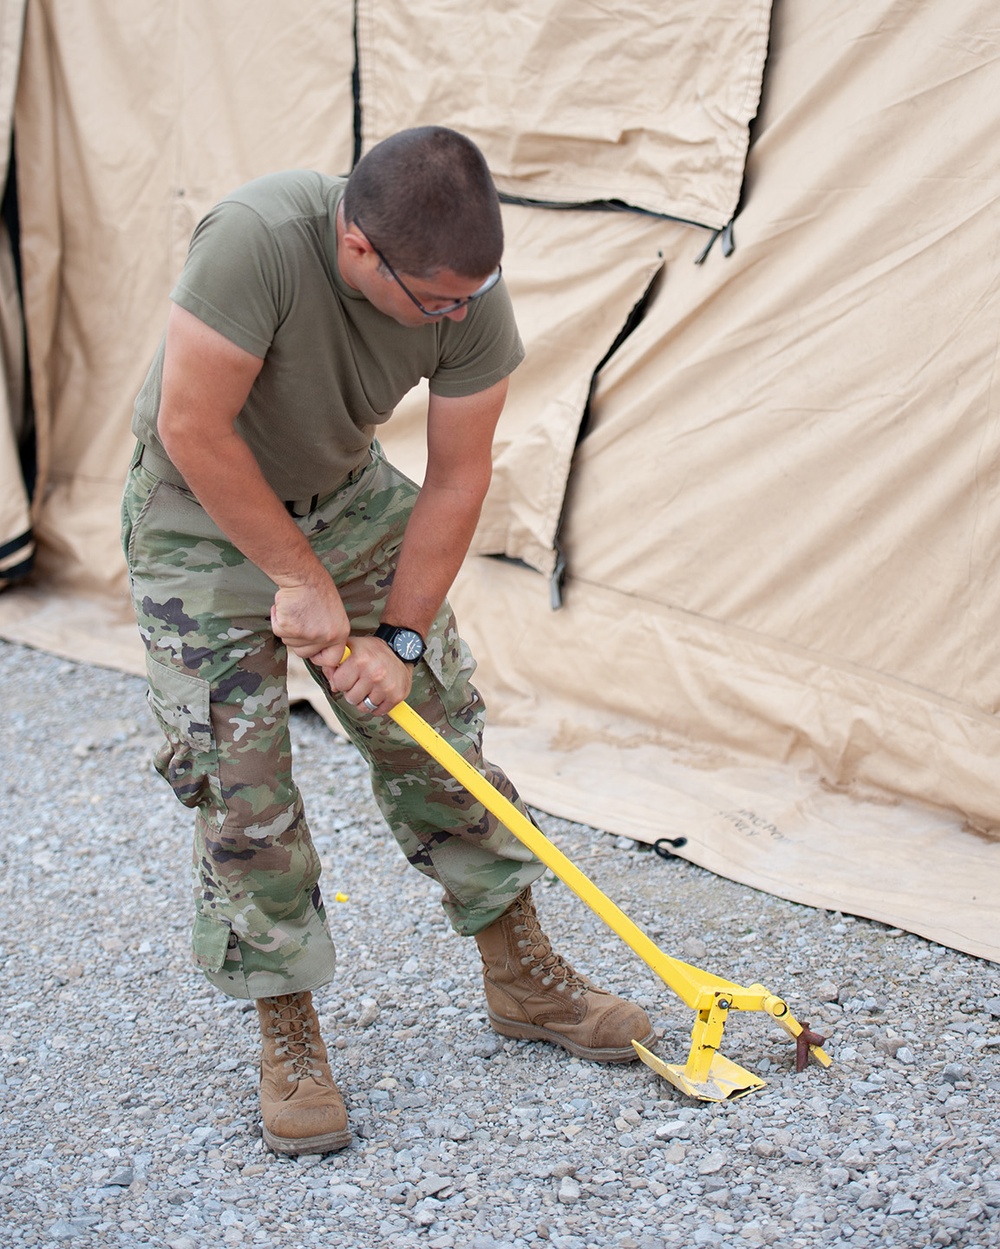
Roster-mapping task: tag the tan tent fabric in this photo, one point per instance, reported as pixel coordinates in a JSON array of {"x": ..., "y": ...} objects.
[
  {"x": 645, "y": 103},
  {"x": 833, "y": 493},
  {"x": 129, "y": 129},
  {"x": 16, "y": 545},
  {"x": 11, "y": 30},
  {"x": 782, "y": 523}
]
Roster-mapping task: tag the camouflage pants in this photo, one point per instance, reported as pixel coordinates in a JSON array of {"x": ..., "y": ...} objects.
[{"x": 217, "y": 687}]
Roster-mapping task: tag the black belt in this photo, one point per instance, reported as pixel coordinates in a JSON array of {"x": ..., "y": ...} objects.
[{"x": 161, "y": 467}]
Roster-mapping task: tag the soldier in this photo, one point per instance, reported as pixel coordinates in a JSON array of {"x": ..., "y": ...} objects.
[{"x": 260, "y": 516}]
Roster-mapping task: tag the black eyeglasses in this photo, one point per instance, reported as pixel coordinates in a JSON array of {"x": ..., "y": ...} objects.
[{"x": 488, "y": 285}]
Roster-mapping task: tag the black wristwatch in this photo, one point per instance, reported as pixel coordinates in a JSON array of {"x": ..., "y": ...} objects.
[{"x": 406, "y": 643}]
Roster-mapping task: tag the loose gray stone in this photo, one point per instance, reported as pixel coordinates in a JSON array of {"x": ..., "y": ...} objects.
[
  {"x": 116, "y": 1057},
  {"x": 423, "y": 1217},
  {"x": 369, "y": 1012},
  {"x": 569, "y": 1191},
  {"x": 433, "y": 1184},
  {"x": 672, "y": 1129}
]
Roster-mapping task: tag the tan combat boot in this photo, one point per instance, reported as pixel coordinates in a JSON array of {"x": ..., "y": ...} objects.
[
  {"x": 302, "y": 1110},
  {"x": 533, "y": 994}
]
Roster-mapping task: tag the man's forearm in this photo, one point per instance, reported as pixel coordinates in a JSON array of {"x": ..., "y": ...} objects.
[
  {"x": 444, "y": 518},
  {"x": 436, "y": 542},
  {"x": 308, "y": 613},
  {"x": 228, "y": 483}
]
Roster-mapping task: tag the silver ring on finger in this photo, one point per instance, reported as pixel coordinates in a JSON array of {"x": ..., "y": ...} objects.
[{"x": 369, "y": 704}]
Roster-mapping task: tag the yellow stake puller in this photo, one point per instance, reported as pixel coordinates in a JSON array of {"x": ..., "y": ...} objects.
[{"x": 706, "y": 1074}]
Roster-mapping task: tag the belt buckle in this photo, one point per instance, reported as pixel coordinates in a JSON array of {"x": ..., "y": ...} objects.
[{"x": 292, "y": 506}]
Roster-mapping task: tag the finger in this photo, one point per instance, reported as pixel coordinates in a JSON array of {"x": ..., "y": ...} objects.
[
  {"x": 302, "y": 648},
  {"x": 281, "y": 630},
  {"x": 329, "y": 658}
]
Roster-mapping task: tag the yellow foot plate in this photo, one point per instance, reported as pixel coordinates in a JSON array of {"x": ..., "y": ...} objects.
[{"x": 724, "y": 1082}]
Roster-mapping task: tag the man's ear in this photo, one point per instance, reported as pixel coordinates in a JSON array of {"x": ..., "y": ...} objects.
[
  {"x": 354, "y": 243},
  {"x": 356, "y": 256}
]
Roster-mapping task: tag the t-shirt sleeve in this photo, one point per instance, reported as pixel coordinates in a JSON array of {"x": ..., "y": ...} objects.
[
  {"x": 232, "y": 277},
  {"x": 479, "y": 351}
]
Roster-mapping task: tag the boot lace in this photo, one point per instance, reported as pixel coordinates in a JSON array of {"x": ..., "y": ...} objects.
[
  {"x": 290, "y": 1024},
  {"x": 541, "y": 960}
]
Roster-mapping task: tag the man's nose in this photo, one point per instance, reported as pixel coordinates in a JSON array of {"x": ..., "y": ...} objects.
[{"x": 458, "y": 314}]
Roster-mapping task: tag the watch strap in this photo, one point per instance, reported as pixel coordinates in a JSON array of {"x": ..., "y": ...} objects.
[{"x": 390, "y": 635}]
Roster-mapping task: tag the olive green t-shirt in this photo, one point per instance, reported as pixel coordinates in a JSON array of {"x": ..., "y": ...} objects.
[{"x": 262, "y": 271}]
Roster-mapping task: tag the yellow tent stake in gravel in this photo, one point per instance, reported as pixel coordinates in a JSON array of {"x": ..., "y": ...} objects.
[{"x": 706, "y": 1074}]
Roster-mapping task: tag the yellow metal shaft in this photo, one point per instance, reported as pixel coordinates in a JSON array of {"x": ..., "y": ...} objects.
[
  {"x": 707, "y": 1074},
  {"x": 693, "y": 985}
]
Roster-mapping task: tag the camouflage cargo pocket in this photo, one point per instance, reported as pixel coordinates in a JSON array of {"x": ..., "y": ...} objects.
[
  {"x": 188, "y": 760},
  {"x": 451, "y": 666},
  {"x": 210, "y": 942},
  {"x": 216, "y": 951}
]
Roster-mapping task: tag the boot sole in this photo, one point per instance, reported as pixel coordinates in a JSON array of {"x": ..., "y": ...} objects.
[
  {"x": 328, "y": 1143},
  {"x": 531, "y": 1032}
]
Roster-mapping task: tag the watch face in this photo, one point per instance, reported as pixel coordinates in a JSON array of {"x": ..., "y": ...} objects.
[{"x": 408, "y": 645}]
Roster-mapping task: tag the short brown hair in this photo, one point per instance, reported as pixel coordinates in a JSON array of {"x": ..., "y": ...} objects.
[{"x": 425, "y": 197}]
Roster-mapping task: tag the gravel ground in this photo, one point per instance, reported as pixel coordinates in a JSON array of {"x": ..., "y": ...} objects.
[{"x": 128, "y": 1085}]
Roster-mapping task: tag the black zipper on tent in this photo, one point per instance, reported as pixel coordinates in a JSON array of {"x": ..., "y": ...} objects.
[
  {"x": 726, "y": 233},
  {"x": 356, "y": 92},
  {"x": 598, "y": 205},
  {"x": 728, "y": 242},
  {"x": 614, "y": 205},
  {"x": 632, "y": 321}
]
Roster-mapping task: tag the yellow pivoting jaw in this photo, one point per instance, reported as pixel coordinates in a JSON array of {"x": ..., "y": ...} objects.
[
  {"x": 709, "y": 1076},
  {"x": 724, "y": 1081}
]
